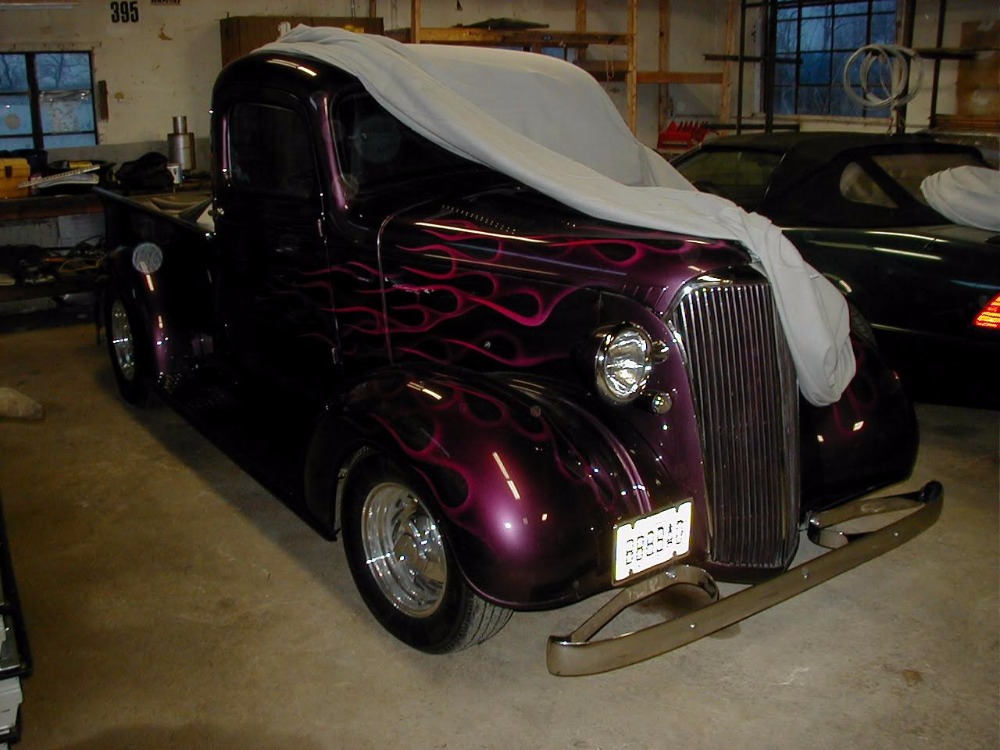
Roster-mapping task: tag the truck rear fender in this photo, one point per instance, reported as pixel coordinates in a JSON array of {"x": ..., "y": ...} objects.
[{"x": 172, "y": 328}]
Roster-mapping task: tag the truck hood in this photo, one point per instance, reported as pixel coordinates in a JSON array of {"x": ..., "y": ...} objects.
[{"x": 517, "y": 231}]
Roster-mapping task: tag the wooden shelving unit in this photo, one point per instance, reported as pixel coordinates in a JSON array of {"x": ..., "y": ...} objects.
[
  {"x": 584, "y": 40},
  {"x": 241, "y": 34}
]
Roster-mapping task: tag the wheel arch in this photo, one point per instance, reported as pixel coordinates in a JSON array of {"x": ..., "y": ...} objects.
[
  {"x": 168, "y": 337},
  {"x": 525, "y": 487}
]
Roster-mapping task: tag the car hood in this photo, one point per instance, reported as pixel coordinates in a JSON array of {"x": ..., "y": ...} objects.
[
  {"x": 515, "y": 230},
  {"x": 959, "y": 233}
]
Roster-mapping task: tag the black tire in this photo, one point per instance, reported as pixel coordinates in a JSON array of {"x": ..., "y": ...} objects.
[
  {"x": 417, "y": 592},
  {"x": 129, "y": 358}
]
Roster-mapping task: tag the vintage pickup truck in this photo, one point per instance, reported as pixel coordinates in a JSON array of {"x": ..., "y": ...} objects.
[{"x": 499, "y": 402}]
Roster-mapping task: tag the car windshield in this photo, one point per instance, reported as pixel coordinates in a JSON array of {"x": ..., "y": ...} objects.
[
  {"x": 374, "y": 148},
  {"x": 741, "y": 176}
]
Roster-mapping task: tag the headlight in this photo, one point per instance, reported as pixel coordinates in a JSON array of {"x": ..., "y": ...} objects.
[
  {"x": 622, "y": 363},
  {"x": 147, "y": 258}
]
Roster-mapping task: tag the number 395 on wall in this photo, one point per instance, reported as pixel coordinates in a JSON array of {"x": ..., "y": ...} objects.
[{"x": 125, "y": 11}]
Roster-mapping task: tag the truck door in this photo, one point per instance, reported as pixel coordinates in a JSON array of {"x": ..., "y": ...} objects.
[{"x": 275, "y": 296}]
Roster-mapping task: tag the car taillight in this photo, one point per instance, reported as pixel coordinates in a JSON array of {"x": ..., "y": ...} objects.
[{"x": 989, "y": 316}]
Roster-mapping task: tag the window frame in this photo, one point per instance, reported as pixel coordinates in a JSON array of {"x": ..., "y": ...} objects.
[
  {"x": 282, "y": 189},
  {"x": 793, "y": 13},
  {"x": 34, "y": 94}
]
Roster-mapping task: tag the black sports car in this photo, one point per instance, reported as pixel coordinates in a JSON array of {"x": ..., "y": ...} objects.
[{"x": 852, "y": 204}]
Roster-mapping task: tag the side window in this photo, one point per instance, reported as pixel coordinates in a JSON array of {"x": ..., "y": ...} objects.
[
  {"x": 741, "y": 176},
  {"x": 857, "y": 186},
  {"x": 374, "y": 148},
  {"x": 270, "y": 151}
]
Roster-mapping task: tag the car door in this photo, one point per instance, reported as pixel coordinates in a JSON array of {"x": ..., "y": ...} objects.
[{"x": 276, "y": 298}]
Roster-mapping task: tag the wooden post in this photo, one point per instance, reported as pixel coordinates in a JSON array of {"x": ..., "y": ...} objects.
[
  {"x": 581, "y": 25},
  {"x": 630, "y": 74},
  {"x": 732, "y": 48},
  {"x": 415, "y": 21},
  {"x": 663, "y": 90}
]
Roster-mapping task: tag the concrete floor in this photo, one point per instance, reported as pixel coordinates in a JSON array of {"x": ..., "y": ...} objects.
[{"x": 173, "y": 603}]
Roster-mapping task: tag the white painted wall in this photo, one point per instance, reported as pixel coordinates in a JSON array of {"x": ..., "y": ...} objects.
[
  {"x": 162, "y": 66},
  {"x": 924, "y": 36},
  {"x": 165, "y": 64}
]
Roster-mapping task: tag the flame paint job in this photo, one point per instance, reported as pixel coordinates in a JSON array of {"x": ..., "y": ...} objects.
[{"x": 461, "y": 311}]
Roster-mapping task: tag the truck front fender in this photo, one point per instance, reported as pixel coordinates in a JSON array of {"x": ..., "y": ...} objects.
[{"x": 525, "y": 484}]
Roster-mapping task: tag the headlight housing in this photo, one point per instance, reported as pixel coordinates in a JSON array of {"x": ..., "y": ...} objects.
[
  {"x": 622, "y": 363},
  {"x": 147, "y": 258}
]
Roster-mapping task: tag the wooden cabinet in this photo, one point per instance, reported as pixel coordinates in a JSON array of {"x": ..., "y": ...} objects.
[{"x": 243, "y": 34}]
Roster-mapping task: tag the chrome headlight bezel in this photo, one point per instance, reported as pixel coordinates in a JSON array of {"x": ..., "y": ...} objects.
[
  {"x": 147, "y": 257},
  {"x": 622, "y": 363}
]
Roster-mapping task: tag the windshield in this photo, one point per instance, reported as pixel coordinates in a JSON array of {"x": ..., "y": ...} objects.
[
  {"x": 741, "y": 176},
  {"x": 374, "y": 148}
]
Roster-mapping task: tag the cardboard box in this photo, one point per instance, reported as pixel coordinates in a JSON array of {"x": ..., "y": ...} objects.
[{"x": 12, "y": 173}]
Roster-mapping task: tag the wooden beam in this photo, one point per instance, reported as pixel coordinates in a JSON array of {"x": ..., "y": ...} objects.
[
  {"x": 668, "y": 76},
  {"x": 519, "y": 37}
]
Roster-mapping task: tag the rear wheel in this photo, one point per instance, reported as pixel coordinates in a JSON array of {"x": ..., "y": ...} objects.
[
  {"x": 402, "y": 565},
  {"x": 128, "y": 359}
]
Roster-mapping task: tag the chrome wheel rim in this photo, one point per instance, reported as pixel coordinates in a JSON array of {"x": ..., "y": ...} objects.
[
  {"x": 403, "y": 549},
  {"x": 121, "y": 341}
]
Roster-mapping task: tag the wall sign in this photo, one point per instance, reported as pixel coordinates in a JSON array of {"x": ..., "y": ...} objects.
[{"x": 125, "y": 11}]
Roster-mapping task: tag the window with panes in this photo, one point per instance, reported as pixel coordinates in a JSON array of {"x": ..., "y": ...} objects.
[
  {"x": 814, "y": 42},
  {"x": 46, "y": 100}
]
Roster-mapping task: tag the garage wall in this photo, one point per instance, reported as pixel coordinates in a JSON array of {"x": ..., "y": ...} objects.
[
  {"x": 164, "y": 64},
  {"x": 160, "y": 66},
  {"x": 983, "y": 13}
]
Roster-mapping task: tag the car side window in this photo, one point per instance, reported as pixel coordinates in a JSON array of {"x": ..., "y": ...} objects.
[
  {"x": 857, "y": 186},
  {"x": 908, "y": 170},
  {"x": 270, "y": 151},
  {"x": 741, "y": 176},
  {"x": 374, "y": 148}
]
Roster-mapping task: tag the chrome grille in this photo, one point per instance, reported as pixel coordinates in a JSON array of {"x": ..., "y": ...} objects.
[{"x": 746, "y": 401}]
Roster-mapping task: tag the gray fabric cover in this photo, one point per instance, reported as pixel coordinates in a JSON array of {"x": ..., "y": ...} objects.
[
  {"x": 551, "y": 126},
  {"x": 965, "y": 195}
]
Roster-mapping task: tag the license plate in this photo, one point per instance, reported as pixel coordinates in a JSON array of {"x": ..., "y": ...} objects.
[{"x": 649, "y": 541}]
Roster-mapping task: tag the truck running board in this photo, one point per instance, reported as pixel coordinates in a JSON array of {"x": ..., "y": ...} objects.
[{"x": 578, "y": 654}]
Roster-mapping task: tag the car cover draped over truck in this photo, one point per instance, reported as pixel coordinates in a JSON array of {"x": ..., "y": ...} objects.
[{"x": 551, "y": 126}]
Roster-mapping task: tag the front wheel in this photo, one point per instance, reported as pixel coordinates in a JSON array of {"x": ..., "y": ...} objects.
[
  {"x": 402, "y": 566},
  {"x": 128, "y": 359}
]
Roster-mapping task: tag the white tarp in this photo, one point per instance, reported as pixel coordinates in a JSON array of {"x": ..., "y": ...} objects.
[
  {"x": 551, "y": 126},
  {"x": 965, "y": 195}
]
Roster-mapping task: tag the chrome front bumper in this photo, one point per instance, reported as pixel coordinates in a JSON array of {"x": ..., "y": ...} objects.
[{"x": 843, "y": 529}]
